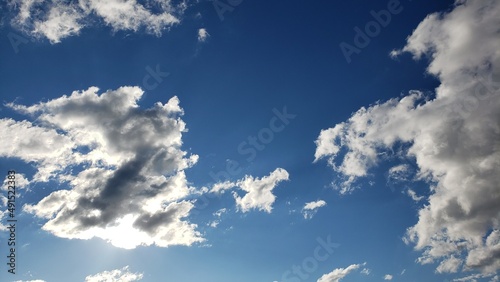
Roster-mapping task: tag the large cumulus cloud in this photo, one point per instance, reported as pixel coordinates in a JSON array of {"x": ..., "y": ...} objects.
[
  {"x": 454, "y": 138},
  {"x": 124, "y": 167}
]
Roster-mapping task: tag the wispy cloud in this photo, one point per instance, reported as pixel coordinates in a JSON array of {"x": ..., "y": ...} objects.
[
  {"x": 116, "y": 275},
  {"x": 413, "y": 195},
  {"x": 474, "y": 277},
  {"x": 218, "y": 214}
]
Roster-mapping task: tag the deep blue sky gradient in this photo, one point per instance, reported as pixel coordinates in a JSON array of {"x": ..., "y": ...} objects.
[{"x": 264, "y": 55}]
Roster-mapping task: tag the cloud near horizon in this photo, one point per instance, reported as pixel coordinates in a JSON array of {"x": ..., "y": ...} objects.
[
  {"x": 116, "y": 275},
  {"x": 453, "y": 138},
  {"x": 337, "y": 274}
]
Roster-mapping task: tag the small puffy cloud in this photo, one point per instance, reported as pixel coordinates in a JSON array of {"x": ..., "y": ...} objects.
[
  {"x": 214, "y": 223},
  {"x": 453, "y": 138},
  {"x": 116, "y": 275},
  {"x": 388, "y": 277},
  {"x": 123, "y": 167},
  {"x": 202, "y": 35},
  {"x": 310, "y": 209},
  {"x": 337, "y": 274},
  {"x": 221, "y": 187},
  {"x": 258, "y": 190},
  {"x": 220, "y": 212},
  {"x": 56, "y": 20},
  {"x": 314, "y": 205},
  {"x": 366, "y": 271}
]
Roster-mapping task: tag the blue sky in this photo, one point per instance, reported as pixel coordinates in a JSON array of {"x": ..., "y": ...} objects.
[{"x": 376, "y": 165}]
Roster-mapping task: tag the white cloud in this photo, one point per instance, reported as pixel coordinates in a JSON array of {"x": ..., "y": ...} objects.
[
  {"x": 399, "y": 172},
  {"x": 123, "y": 164},
  {"x": 202, "y": 35},
  {"x": 449, "y": 265},
  {"x": 116, "y": 275},
  {"x": 314, "y": 205},
  {"x": 36, "y": 144},
  {"x": 474, "y": 277},
  {"x": 20, "y": 182},
  {"x": 310, "y": 209},
  {"x": 337, "y": 274},
  {"x": 258, "y": 190},
  {"x": 414, "y": 196},
  {"x": 453, "y": 138},
  {"x": 218, "y": 214},
  {"x": 388, "y": 277},
  {"x": 366, "y": 271},
  {"x": 221, "y": 187},
  {"x": 214, "y": 223},
  {"x": 63, "y": 19}
]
